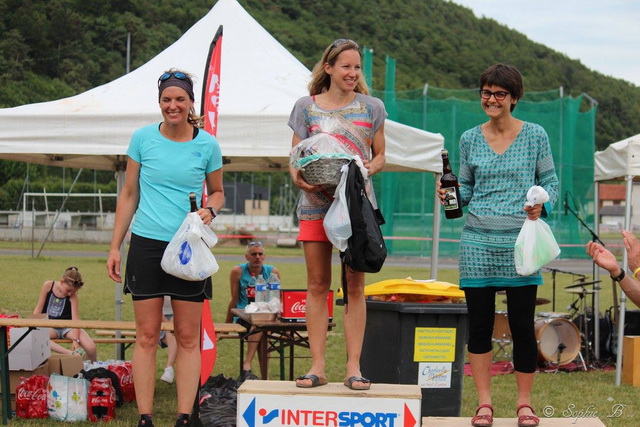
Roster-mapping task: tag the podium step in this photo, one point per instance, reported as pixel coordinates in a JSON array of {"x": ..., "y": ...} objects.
[{"x": 281, "y": 403}]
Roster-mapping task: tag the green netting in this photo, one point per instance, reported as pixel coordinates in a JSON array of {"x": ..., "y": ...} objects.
[{"x": 406, "y": 199}]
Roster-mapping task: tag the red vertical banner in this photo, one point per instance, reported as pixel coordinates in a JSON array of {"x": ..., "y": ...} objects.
[{"x": 210, "y": 101}]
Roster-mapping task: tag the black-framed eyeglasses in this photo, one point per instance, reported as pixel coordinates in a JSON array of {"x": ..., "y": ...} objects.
[
  {"x": 177, "y": 74},
  {"x": 499, "y": 95}
]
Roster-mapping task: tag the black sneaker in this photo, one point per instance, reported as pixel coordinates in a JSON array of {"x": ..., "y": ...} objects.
[
  {"x": 145, "y": 421},
  {"x": 183, "y": 420}
]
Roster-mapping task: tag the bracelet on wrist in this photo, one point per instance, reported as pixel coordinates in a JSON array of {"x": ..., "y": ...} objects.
[{"x": 635, "y": 273}]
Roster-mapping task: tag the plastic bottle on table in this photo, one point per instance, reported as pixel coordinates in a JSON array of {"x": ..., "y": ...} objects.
[
  {"x": 251, "y": 290},
  {"x": 261, "y": 290},
  {"x": 274, "y": 287}
]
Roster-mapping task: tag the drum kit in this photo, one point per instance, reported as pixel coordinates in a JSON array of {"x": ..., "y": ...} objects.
[{"x": 562, "y": 337}]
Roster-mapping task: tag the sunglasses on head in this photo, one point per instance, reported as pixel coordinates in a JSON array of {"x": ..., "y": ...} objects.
[
  {"x": 177, "y": 74},
  {"x": 340, "y": 42},
  {"x": 252, "y": 244}
]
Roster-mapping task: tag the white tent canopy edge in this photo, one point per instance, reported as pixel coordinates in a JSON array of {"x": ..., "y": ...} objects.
[
  {"x": 619, "y": 161},
  {"x": 260, "y": 82}
]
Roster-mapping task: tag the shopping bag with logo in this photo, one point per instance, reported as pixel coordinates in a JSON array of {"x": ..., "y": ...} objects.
[{"x": 188, "y": 255}]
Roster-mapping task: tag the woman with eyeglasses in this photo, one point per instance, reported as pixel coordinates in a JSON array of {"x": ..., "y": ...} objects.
[
  {"x": 499, "y": 161},
  {"x": 59, "y": 300},
  {"x": 166, "y": 161},
  {"x": 338, "y": 93}
]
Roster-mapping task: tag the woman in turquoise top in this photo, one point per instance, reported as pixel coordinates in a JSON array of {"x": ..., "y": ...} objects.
[
  {"x": 166, "y": 161},
  {"x": 499, "y": 161}
]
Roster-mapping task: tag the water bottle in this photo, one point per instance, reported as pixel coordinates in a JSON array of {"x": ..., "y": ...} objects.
[
  {"x": 274, "y": 287},
  {"x": 261, "y": 290}
]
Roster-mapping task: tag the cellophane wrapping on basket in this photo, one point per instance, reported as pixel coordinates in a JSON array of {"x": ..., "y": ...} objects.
[{"x": 321, "y": 156}]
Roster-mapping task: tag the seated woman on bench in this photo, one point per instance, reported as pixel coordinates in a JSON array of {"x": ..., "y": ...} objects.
[{"x": 59, "y": 300}]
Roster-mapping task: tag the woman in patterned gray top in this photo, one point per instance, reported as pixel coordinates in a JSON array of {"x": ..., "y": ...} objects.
[
  {"x": 338, "y": 94},
  {"x": 499, "y": 161}
]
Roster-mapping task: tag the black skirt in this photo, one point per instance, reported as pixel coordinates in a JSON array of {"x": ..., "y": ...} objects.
[{"x": 145, "y": 278}]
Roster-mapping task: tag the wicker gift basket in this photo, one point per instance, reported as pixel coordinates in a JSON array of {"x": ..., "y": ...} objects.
[
  {"x": 320, "y": 158},
  {"x": 323, "y": 169}
]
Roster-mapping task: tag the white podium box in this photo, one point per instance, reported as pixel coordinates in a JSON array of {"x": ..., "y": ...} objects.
[{"x": 281, "y": 403}]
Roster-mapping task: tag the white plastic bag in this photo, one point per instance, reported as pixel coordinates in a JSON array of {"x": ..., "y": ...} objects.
[
  {"x": 535, "y": 246},
  {"x": 188, "y": 255},
  {"x": 337, "y": 223}
]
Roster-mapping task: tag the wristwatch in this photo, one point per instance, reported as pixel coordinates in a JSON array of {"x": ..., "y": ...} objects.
[
  {"x": 620, "y": 277},
  {"x": 213, "y": 212}
]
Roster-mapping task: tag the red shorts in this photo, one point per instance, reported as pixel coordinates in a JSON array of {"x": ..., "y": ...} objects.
[{"x": 312, "y": 231}]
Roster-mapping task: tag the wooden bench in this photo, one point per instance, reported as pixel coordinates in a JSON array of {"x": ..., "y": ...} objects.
[
  {"x": 116, "y": 328},
  {"x": 105, "y": 336}
]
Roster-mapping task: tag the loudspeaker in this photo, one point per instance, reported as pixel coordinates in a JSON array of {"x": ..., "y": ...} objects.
[{"x": 632, "y": 322}]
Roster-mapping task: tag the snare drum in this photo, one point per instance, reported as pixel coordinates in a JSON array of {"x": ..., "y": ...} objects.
[
  {"x": 554, "y": 315},
  {"x": 501, "y": 330},
  {"x": 558, "y": 340}
]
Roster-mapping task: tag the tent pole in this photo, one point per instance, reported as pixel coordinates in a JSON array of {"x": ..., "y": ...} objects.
[
  {"x": 435, "y": 242},
  {"x": 596, "y": 277},
  {"x": 119, "y": 348},
  {"x": 625, "y": 266}
]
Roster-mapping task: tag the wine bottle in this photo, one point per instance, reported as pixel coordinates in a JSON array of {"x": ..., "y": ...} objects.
[
  {"x": 452, "y": 207},
  {"x": 192, "y": 200}
]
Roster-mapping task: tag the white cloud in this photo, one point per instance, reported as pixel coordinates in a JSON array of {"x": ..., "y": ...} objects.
[{"x": 603, "y": 35}]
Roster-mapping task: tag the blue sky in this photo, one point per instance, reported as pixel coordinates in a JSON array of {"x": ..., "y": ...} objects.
[{"x": 603, "y": 35}]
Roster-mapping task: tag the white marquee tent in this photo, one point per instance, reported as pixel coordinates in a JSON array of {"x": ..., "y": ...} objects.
[
  {"x": 260, "y": 82},
  {"x": 620, "y": 161}
]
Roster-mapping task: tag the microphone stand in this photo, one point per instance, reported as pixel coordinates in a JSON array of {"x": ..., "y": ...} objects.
[
  {"x": 594, "y": 236},
  {"x": 553, "y": 277},
  {"x": 596, "y": 288}
]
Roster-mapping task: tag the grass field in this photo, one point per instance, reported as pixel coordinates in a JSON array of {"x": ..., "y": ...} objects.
[{"x": 569, "y": 395}]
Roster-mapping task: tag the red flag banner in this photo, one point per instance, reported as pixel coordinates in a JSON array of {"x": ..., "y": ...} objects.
[
  {"x": 208, "y": 347},
  {"x": 211, "y": 88},
  {"x": 210, "y": 99}
]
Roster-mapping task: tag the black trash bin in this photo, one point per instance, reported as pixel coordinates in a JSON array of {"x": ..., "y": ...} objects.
[{"x": 413, "y": 343}]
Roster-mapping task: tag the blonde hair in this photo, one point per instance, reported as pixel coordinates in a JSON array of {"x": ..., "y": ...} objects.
[
  {"x": 73, "y": 277},
  {"x": 320, "y": 80}
]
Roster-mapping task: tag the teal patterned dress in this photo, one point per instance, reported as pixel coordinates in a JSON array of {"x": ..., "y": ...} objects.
[{"x": 494, "y": 188}]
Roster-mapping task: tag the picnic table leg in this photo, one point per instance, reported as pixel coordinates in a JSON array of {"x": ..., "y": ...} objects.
[
  {"x": 4, "y": 372},
  {"x": 263, "y": 357},
  {"x": 291, "y": 356}
]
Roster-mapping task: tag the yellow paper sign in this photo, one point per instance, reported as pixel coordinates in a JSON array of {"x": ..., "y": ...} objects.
[{"x": 434, "y": 345}]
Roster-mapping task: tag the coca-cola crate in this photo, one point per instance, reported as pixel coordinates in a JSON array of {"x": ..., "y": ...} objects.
[
  {"x": 14, "y": 379},
  {"x": 294, "y": 302}
]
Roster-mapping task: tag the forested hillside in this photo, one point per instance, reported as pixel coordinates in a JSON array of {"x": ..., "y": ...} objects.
[{"x": 51, "y": 49}]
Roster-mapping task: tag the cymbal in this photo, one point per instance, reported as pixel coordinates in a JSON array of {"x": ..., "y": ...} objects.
[
  {"x": 581, "y": 284},
  {"x": 580, "y": 291},
  {"x": 539, "y": 301}
]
